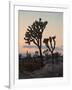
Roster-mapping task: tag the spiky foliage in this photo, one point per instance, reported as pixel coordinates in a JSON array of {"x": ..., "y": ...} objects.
[
  {"x": 34, "y": 33},
  {"x": 50, "y": 44}
]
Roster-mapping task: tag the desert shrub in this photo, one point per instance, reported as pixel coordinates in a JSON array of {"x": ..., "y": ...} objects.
[{"x": 29, "y": 65}]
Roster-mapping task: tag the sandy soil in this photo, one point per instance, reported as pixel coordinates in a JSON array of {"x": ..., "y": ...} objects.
[{"x": 48, "y": 70}]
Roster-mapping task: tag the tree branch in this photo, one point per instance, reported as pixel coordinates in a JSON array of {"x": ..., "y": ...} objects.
[{"x": 35, "y": 43}]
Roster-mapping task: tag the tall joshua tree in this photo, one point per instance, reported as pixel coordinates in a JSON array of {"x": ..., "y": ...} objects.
[
  {"x": 50, "y": 44},
  {"x": 34, "y": 33}
]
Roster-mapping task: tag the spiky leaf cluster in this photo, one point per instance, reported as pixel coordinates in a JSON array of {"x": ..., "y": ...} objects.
[
  {"x": 50, "y": 43},
  {"x": 34, "y": 32}
]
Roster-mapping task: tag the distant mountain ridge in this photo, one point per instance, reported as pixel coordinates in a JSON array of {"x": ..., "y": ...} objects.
[
  {"x": 43, "y": 47},
  {"x": 57, "y": 49}
]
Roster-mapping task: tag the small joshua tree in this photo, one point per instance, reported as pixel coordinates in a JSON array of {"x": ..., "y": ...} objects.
[{"x": 50, "y": 44}]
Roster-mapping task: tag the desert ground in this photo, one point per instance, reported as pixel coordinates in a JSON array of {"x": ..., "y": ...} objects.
[{"x": 32, "y": 68}]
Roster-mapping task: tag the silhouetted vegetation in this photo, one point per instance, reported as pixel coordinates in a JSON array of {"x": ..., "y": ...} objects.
[
  {"x": 34, "y": 34},
  {"x": 48, "y": 64},
  {"x": 50, "y": 44},
  {"x": 29, "y": 64}
]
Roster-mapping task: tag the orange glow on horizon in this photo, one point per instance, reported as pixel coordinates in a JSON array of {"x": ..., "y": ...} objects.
[{"x": 54, "y": 27}]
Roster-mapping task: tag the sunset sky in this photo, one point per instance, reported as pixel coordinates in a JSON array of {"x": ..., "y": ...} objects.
[{"x": 54, "y": 27}]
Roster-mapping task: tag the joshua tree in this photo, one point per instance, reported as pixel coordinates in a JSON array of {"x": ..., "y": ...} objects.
[
  {"x": 34, "y": 34},
  {"x": 50, "y": 44}
]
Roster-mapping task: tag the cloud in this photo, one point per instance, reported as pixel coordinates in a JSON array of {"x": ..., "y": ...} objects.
[
  {"x": 43, "y": 47},
  {"x": 32, "y": 46}
]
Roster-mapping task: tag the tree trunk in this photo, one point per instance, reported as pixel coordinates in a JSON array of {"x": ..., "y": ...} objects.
[
  {"x": 52, "y": 62},
  {"x": 40, "y": 50},
  {"x": 41, "y": 57},
  {"x": 52, "y": 58},
  {"x": 40, "y": 47}
]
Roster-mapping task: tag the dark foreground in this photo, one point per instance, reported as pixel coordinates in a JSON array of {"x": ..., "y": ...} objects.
[{"x": 31, "y": 68}]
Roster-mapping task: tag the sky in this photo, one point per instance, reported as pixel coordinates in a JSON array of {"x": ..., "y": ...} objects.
[{"x": 54, "y": 27}]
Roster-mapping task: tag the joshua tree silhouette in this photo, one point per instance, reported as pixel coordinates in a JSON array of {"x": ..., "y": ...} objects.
[
  {"x": 34, "y": 34},
  {"x": 50, "y": 44}
]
